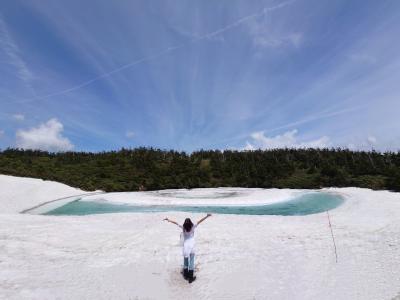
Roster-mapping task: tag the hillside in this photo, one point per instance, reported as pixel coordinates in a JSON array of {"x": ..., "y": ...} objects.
[{"x": 150, "y": 169}]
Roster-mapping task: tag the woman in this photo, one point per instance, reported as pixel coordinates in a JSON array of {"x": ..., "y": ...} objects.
[{"x": 188, "y": 246}]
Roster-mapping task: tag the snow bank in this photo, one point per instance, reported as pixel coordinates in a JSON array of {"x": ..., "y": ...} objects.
[
  {"x": 198, "y": 197},
  {"x": 19, "y": 193},
  {"x": 138, "y": 256}
]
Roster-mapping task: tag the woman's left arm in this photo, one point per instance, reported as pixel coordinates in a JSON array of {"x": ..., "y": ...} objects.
[{"x": 201, "y": 220}]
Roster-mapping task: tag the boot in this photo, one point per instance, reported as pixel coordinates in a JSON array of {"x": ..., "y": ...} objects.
[
  {"x": 185, "y": 273},
  {"x": 191, "y": 278}
]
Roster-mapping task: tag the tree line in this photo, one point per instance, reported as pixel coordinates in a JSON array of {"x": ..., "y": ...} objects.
[{"x": 153, "y": 169}]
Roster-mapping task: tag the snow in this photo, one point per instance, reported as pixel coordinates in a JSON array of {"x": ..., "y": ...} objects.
[
  {"x": 137, "y": 256},
  {"x": 20, "y": 193},
  {"x": 199, "y": 197}
]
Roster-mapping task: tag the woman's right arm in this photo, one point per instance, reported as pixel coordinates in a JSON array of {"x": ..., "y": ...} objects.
[
  {"x": 201, "y": 220},
  {"x": 172, "y": 221}
]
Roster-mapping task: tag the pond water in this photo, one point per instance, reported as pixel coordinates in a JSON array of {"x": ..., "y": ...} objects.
[{"x": 305, "y": 204}]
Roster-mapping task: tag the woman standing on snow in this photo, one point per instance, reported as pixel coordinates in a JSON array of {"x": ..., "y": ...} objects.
[{"x": 188, "y": 246}]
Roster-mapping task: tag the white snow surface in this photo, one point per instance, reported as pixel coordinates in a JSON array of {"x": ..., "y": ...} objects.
[
  {"x": 20, "y": 193},
  {"x": 199, "y": 197},
  {"x": 138, "y": 256}
]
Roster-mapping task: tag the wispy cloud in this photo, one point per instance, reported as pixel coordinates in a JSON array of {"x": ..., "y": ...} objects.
[
  {"x": 245, "y": 19},
  {"x": 11, "y": 49},
  {"x": 317, "y": 116},
  {"x": 210, "y": 35},
  {"x": 19, "y": 117},
  {"x": 233, "y": 70},
  {"x": 265, "y": 32},
  {"x": 362, "y": 58},
  {"x": 130, "y": 134},
  {"x": 322, "y": 115},
  {"x": 263, "y": 38}
]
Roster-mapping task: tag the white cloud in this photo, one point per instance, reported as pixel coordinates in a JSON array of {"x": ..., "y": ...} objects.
[
  {"x": 371, "y": 140},
  {"x": 19, "y": 117},
  {"x": 286, "y": 140},
  {"x": 364, "y": 144},
  {"x": 47, "y": 136},
  {"x": 1, "y": 133},
  {"x": 351, "y": 146},
  {"x": 130, "y": 134}
]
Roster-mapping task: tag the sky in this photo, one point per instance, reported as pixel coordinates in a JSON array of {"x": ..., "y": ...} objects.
[{"x": 99, "y": 75}]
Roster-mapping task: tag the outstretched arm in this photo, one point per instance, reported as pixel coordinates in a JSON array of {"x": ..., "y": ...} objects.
[
  {"x": 201, "y": 220},
  {"x": 172, "y": 221}
]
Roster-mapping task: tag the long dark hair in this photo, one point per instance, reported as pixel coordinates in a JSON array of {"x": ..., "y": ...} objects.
[{"x": 187, "y": 225}]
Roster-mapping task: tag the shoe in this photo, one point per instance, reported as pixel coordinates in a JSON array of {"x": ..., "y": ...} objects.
[
  {"x": 185, "y": 273},
  {"x": 191, "y": 278}
]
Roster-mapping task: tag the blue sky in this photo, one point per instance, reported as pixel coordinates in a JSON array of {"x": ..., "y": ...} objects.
[{"x": 185, "y": 75}]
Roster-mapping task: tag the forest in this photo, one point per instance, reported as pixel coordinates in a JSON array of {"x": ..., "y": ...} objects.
[{"x": 154, "y": 169}]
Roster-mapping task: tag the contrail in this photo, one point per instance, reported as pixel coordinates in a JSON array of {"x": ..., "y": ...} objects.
[
  {"x": 318, "y": 116},
  {"x": 237, "y": 23},
  {"x": 90, "y": 81}
]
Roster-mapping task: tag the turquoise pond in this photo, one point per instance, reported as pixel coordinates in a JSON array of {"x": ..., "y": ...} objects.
[{"x": 306, "y": 204}]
